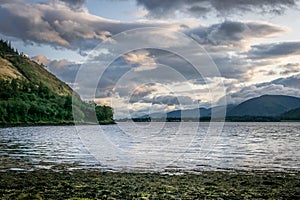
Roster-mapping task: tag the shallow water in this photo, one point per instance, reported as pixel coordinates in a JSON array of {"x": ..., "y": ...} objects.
[{"x": 155, "y": 146}]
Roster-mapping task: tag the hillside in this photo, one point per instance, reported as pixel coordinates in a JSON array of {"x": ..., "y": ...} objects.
[
  {"x": 266, "y": 105},
  {"x": 203, "y": 112},
  {"x": 200, "y": 112},
  {"x": 17, "y": 66},
  {"x": 291, "y": 114},
  {"x": 29, "y": 94}
]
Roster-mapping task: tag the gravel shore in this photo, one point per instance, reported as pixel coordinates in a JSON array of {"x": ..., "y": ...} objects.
[{"x": 93, "y": 184}]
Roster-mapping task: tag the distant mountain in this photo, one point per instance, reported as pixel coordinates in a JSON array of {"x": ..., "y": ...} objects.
[
  {"x": 200, "y": 112},
  {"x": 29, "y": 94},
  {"x": 263, "y": 108},
  {"x": 266, "y": 105},
  {"x": 176, "y": 114},
  {"x": 291, "y": 114},
  {"x": 192, "y": 113}
]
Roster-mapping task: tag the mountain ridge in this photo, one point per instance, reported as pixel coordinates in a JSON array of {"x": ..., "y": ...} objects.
[
  {"x": 30, "y": 95},
  {"x": 263, "y": 108},
  {"x": 266, "y": 105}
]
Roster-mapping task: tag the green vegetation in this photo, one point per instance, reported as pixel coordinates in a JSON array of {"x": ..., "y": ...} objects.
[
  {"x": 29, "y": 94},
  {"x": 291, "y": 115},
  {"x": 93, "y": 184},
  {"x": 253, "y": 119},
  {"x": 28, "y": 70}
]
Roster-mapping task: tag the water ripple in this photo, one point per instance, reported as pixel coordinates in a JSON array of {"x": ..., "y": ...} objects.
[{"x": 241, "y": 146}]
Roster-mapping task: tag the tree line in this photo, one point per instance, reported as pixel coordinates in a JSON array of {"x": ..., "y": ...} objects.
[
  {"x": 28, "y": 100},
  {"x": 22, "y": 101}
]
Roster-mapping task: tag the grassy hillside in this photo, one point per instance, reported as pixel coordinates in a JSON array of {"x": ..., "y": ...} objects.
[
  {"x": 14, "y": 65},
  {"x": 29, "y": 94},
  {"x": 8, "y": 71}
]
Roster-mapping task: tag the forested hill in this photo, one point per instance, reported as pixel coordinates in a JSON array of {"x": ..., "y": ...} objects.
[
  {"x": 29, "y": 94},
  {"x": 15, "y": 65}
]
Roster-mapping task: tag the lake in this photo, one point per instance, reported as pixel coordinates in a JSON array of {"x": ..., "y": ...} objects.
[{"x": 156, "y": 146}]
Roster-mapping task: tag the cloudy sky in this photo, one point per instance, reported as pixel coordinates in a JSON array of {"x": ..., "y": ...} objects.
[{"x": 140, "y": 56}]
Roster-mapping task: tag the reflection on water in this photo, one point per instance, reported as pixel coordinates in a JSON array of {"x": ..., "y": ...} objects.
[
  {"x": 41, "y": 147},
  {"x": 159, "y": 146}
]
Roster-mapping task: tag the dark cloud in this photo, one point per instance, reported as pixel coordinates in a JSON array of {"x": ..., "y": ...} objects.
[
  {"x": 177, "y": 63},
  {"x": 110, "y": 78},
  {"x": 198, "y": 11},
  {"x": 256, "y": 91},
  {"x": 290, "y": 68},
  {"x": 229, "y": 66},
  {"x": 141, "y": 92},
  {"x": 232, "y": 67},
  {"x": 291, "y": 82},
  {"x": 170, "y": 100},
  {"x": 168, "y": 8},
  {"x": 230, "y": 33},
  {"x": 169, "y": 68},
  {"x": 59, "y": 25},
  {"x": 282, "y": 86},
  {"x": 276, "y": 50},
  {"x": 75, "y": 3}
]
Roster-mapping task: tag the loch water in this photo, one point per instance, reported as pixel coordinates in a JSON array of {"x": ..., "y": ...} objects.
[{"x": 156, "y": 146}]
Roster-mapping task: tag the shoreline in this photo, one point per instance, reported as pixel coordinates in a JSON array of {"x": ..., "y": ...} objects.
[
  {"x": 7, "y": 125},
  {"x": 95, "y": 184},
  {"x": 71, "y": 123}
]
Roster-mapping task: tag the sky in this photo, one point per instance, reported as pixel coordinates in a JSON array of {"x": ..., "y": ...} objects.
[{"x": 145, "y": 56}]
